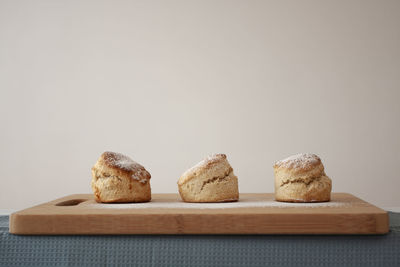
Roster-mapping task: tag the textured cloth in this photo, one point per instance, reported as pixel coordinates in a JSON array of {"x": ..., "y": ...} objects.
[{"x": 202, "y": 250}]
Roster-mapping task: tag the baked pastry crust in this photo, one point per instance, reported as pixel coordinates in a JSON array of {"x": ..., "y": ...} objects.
[
  {"x": 211, "y": 180},
  {"x": 301, "y": 178},
  {"x": 117, "y": 178}
]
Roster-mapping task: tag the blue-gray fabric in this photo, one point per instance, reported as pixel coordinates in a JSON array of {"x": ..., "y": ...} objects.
[{"x": 202, "y": 250}]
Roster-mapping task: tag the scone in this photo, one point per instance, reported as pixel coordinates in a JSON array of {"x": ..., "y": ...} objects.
[
  {"x": 301, "y": 178},
  {"x": 117, "y": 178},
  {"x": 211, "y": 180}
]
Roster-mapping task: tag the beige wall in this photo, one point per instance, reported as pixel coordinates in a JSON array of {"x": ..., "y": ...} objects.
[{"x": 168, "y": 82}]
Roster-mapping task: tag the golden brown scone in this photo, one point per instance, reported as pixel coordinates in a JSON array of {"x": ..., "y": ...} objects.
[
  {"x": 211, "y": 180},
  {"x": 117, "y": 178},
  {"x": 301, "y": 178}
]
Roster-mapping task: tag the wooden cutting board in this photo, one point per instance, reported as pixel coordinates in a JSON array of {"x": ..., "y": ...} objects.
[{"x": 167, "y": 214}]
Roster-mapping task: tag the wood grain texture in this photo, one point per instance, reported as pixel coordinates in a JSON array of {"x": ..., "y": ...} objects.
[{"x": 80, "y": 214}]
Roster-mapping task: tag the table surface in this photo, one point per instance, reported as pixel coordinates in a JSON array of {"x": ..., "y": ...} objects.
[{"x": 202, "y": 250}]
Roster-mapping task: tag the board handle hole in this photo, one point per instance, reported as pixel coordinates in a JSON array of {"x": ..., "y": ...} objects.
[{"x": 71, "y": 202}]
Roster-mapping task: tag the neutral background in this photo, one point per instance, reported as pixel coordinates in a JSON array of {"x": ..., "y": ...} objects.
[{"x": 168, "y": 82}]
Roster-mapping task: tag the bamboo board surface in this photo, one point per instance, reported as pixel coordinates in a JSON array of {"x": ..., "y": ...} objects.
[{"x": 167, "y": 214}]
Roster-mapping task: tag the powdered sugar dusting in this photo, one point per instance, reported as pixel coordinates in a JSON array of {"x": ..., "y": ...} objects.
[
  {"x": 121, "y": 161},
  {"x": 138, "y": 176},
  {"x": 225, "y": 205},
  {"x": 204, "y": 162},
  {"x": 298, "y": 161},
  {"x": 138, "y": 172}
]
